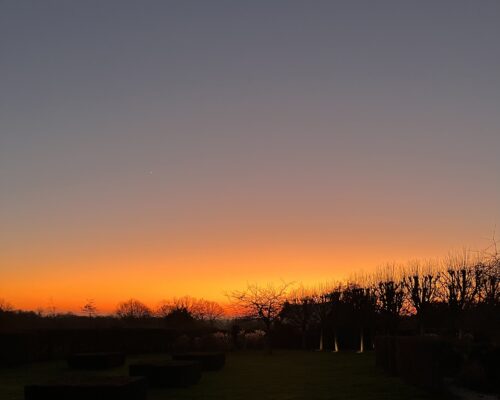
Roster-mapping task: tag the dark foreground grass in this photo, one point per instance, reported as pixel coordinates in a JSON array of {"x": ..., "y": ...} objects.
[{"x": 252, "y": 375}]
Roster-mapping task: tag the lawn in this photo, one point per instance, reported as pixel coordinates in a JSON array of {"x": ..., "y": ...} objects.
[{"x": 254, "y": 375}]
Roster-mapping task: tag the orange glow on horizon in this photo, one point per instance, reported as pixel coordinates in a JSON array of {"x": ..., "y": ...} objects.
[{"x": 209, "y": 274}]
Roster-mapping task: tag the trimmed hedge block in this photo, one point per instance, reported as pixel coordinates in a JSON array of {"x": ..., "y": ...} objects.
[
  {"x": 415, "y": 359},
  {"x": 96, "y": 360},
  {"x": 419, "y": 361},
  {"x": 168, "y": 373},
  {"x": 85, "y": 388},
  {"x": 385, "y": 353},
  {"x": 209, "y": 361}
]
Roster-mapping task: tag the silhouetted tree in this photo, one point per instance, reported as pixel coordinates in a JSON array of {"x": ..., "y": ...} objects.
[
  {"x": 207, "y": 310},
  {"x": 323, "y": 307},
  {"x": 89, "y": 308},
  {"x": 5, "y": 306},
  {"x": 489, "y": 290},
  {"x": 362, "y": 304},
  {"x": 51, "y": 310},
  {"x": 300, "y": 311},
  {"x": 179, "y": 317},
  {"x": 177, "y": 306},
  {"x": 263, "y": 303},
  {"x": 199, "y": 309},
  {"x": 335, "y": 296},
  {"x": 388, "y": 289},
  {"x": 133, "y": 309},
  {"x": 460, "y": 285},
  {"x": 421, "y": 285}
]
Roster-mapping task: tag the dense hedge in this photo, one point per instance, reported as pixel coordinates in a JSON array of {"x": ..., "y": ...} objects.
[
  {"x": 209, "y": 361},
  {"x": 385, "y": 353},
  {"x": 95, "y": 360},
  {"x": 84, "y": 388},
  {"x": 416, "y": 359},
  {"x": 426, "y": 360},
  {"x": 22, "y": 347},
  {"x": 168, "y": 373}
]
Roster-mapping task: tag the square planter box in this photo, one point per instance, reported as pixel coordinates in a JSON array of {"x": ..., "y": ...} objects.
[
  {"x": 89, "y": 388},
  {"x": 96, "y": 360},
  {"x": 208, "y": 361},
  {"x": 168, "y": 373}
]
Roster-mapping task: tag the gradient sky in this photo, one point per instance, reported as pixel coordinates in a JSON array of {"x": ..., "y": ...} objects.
[{"x": 161, "y": 148}]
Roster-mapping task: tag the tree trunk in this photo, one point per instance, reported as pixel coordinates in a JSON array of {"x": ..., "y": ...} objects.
[
  {"x": 321, "y": 340},
  {"x": 269, "y": 340},
  {"x": 335, "y": 342},
  {"x": 421, "y": 325},
  {"x": 361, "y": 341},
  {"x": 304, "y": 339}
]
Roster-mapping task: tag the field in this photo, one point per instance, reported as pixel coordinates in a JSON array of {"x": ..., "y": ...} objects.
[{"x": 252, "y": 375}]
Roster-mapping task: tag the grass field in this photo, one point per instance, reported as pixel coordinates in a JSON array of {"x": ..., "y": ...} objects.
[{"x": 253, "y": 375}]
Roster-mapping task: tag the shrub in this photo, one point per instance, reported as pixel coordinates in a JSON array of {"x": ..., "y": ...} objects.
[
  {"x": 182, "y": 343},
  {"x": 254, "y": 340}
]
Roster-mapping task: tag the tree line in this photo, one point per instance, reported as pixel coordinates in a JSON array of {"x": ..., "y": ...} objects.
[{"x": 459, "y": 294}]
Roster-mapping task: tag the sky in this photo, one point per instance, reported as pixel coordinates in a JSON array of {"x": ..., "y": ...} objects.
[{"x": 153, "y": 149}]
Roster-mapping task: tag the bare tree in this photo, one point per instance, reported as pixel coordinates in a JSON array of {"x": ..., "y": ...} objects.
[
  {"x": 460, "y": 284},
  {"x": 490, "y": 285},
  {"x": 51, "y": 310},
  {"x": 199, "y": 309},
  {"x": 335, "y": 297},
  {"x": 421, "y": 285},
  {"x": 461, "y": 281},
  {"x": 264, "y": 303},
  {"x": 177, "y": 304},
  {"x": 388, "y": 288},
  {"x": 5, "y": 306},
  {"x": 207, "y": 310},
  {"x": 325, "y": 302},
  {"x": 133, "y": 309},
  {"x": 362, "y": 303},
  {"x": 89, "y": 308},
  {"x": 490, "y": 268},
  {"x": 299, "y": 310}
]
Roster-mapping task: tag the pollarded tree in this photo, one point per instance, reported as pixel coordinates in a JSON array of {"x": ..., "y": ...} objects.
[
  {"x": 489, "y": 293},
  {"x": 361, "y": 301},
  {"x": 263, "y": 303},
  {"x": 389, "y": 290},
  {"x": 335, "y": 297},
  {"x": 133, "y": 309},
  {"x": 460, "y": 281},
  {"x": 299, "y": 310},
  {"x": 460, "y": 285},
  {"x": 421, "y": 285},
  {"x": 490, "y": 285},
  {"x": 326, "y": 302}
]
